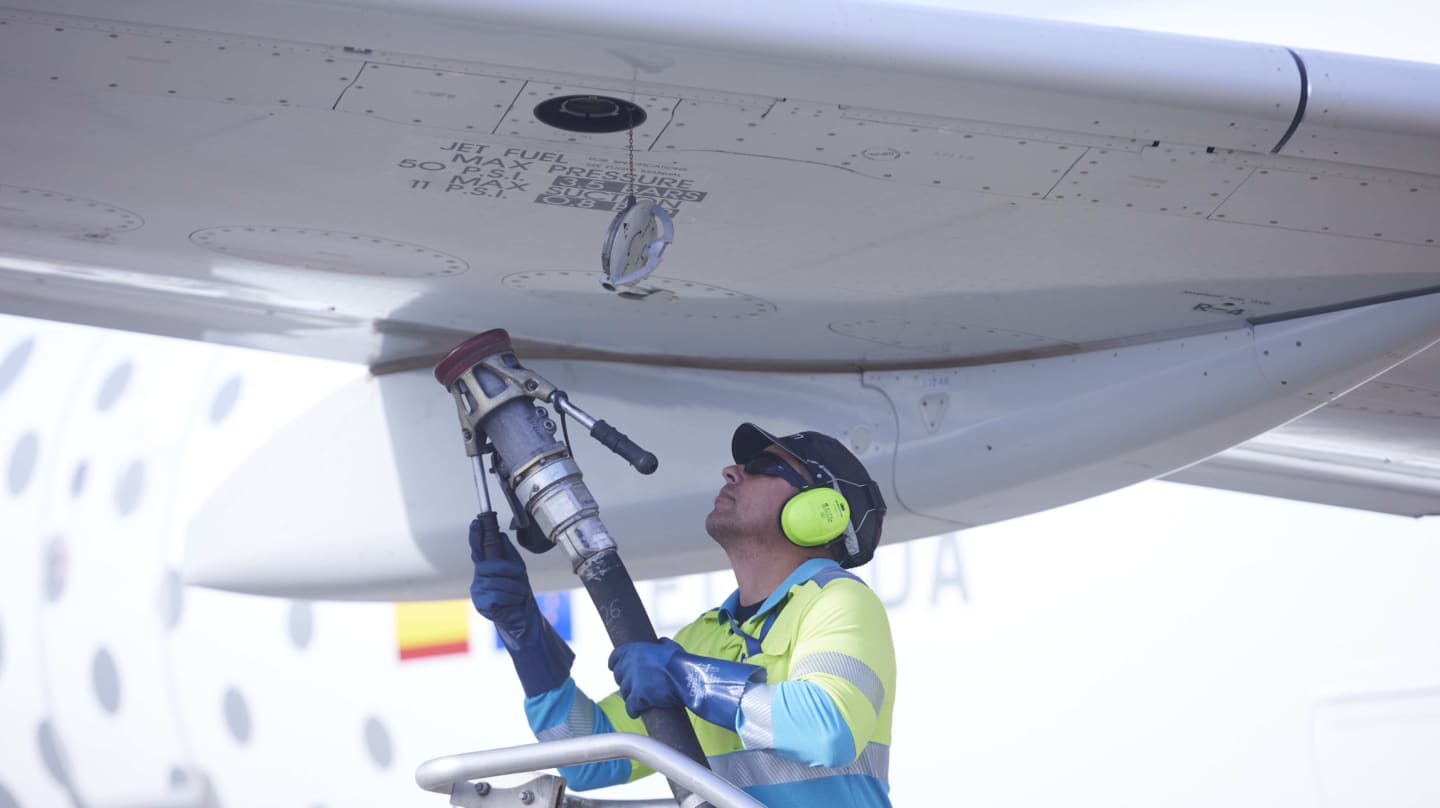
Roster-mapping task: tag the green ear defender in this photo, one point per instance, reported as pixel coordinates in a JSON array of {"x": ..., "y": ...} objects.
[{"x": 815, "y": 516}]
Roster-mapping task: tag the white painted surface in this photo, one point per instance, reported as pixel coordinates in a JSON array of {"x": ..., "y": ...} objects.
[{"x": 1362, "y": 113}]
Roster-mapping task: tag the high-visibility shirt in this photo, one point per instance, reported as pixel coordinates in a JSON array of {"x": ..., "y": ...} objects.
[{"x": 816, "y": 733}]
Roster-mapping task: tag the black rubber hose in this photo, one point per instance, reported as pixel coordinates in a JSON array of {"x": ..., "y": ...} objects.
[{"x": 625, "y": 619}]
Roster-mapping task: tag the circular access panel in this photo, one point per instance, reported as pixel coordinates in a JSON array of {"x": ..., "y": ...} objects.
[
  {"x": 589, "y": 113},
  {"x": 39, "y": 209},
  {"x": 666, "y": 297},
  {"x": 329, "y": 251}
]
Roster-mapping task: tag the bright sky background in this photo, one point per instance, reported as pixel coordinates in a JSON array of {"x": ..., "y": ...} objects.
[{"x": 1394, "y": 29}]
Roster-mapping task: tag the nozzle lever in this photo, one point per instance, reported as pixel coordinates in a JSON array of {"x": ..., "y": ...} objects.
[{"x": 611, "y": 438}]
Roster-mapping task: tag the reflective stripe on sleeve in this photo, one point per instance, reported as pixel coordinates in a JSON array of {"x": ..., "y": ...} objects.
[
  {"x": 579, "y": 722},
  {"x": 845, "y": 667},
  {"x": 757, "y": 728},
  {"x": 756, "y": 767}
]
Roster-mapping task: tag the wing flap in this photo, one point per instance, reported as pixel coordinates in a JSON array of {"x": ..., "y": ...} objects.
[
  {"x": 1375, "y": 448},
  {"x": 1369, "y": 112}
]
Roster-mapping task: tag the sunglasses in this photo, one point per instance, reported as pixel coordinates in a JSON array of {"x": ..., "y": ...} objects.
[{"x": 768, "y": 465}]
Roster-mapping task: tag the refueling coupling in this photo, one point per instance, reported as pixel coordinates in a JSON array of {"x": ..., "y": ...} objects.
[{"x": 495, "y": 397}]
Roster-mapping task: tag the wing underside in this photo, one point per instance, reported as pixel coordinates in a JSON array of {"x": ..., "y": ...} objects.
[{"x": 852, "y": 191}]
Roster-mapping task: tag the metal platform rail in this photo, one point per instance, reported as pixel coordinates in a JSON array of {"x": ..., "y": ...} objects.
[{"x": 453, "y": 774}]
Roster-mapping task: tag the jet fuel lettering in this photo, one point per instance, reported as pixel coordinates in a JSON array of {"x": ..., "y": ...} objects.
[
  {"x": 574, "y": 174},
  {"x": 486, "y": 170}
]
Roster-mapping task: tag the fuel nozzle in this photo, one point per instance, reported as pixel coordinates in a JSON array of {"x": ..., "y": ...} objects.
[{"x": 496, "y": 396}]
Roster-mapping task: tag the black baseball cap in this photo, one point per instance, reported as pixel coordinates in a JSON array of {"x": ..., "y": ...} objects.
[{"x": 830, "y": 463}]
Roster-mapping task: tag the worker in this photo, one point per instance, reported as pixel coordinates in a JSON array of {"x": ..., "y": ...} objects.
[{"x": 789, "y": 684}]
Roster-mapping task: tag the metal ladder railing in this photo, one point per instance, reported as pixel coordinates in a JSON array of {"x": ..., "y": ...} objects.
[{"x": 456, "y": 774}]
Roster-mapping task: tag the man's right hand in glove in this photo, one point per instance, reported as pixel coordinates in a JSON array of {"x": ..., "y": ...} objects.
[
  {"x": 501, "y": 589},
  {"x": 501, "y": 593}
]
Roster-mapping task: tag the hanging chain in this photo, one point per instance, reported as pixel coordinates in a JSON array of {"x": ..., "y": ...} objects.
[
  {"x": 634, "y": 86},
  {"x": 632, "y": 154}
]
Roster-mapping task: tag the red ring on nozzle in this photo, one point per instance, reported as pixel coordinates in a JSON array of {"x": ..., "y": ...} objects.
[{"x": 468, "y": 354}]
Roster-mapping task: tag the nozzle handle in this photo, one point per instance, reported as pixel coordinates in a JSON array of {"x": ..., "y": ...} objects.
[
  {"x": 616, "y": 441},
  {"x": 492, "y": 541}
]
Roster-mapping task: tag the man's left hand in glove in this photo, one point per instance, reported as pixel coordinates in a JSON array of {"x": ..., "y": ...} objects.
[{"x": 662, "y": 674}]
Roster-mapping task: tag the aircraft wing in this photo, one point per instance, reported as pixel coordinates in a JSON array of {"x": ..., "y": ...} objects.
[
  {"x": 988, "y": 251},
  {"x": 1375, "y": 448}
]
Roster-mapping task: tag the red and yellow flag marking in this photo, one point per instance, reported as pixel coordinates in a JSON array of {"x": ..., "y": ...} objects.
[{"x": 432, "y": 628}]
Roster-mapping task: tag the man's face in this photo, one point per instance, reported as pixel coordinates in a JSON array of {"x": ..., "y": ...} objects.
[{"x": 749, "y": 504}]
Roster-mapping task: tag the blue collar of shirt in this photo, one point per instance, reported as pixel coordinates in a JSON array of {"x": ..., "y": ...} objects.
[{"x": 802, "y": 573}]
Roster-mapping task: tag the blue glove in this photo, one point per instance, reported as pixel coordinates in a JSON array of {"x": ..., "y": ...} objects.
[
  {"x": 501, "y": 593},
  {"x": 661, "y": 674},
  {"x": 639, "y": 669}
]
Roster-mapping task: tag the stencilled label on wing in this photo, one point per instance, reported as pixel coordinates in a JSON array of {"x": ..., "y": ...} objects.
[
  {"x": 473, "y": 170},
  {"x": 1233, "y": 305}
]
